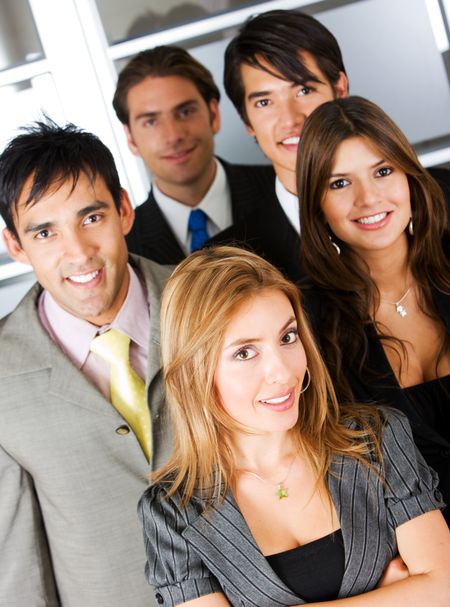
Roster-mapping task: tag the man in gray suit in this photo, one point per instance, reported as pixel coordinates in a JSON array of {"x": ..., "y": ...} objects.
[{"x": 72, "y": 467}]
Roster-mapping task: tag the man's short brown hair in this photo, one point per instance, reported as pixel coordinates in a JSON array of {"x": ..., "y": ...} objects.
[{"x": 159, "y": 62}]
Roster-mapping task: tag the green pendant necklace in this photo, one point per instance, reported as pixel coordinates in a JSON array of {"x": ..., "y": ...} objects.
[{"x": 282, "y": 491}]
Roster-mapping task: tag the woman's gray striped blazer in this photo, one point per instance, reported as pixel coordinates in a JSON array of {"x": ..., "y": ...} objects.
[{"x": 191, "y": 552}]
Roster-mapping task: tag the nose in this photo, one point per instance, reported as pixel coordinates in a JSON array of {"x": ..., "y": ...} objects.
[
  {"x": 173, "y": 131},
  {"x": 367, "y": 193},
  {"x": 292, "y": 114},
  {"x": 277, "y": 370},
  {"x": 78, "y": 247}
]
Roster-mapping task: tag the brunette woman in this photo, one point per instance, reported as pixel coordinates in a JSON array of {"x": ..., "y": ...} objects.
[
  {"x": 376, "y": 248},
  {"x": 275, "y": 495}
]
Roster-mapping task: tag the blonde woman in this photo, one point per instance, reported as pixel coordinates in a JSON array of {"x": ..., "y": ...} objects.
[{"x": 275, "y": 495}]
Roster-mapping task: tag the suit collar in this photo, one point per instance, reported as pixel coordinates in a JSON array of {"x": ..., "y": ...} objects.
[{"x": 27, "y": 348}]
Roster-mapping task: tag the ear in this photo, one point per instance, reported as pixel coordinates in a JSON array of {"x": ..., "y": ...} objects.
[
  {"x": 133, "y": 148},
  {"x": 126, "y": 213},
  {"x": 341, "y": 86},
  {"x": 249, "y": 129},
  {"x": 13, "y": 247},
  {"x": 214, "y": 113}
]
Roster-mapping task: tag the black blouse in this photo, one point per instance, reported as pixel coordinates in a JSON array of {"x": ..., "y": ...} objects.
[{"x": 313, "y": 571}]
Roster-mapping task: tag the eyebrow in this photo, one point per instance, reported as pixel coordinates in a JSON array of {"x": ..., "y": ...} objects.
[
  {"x": 374, "y": 166},
  {"x": 177, "y": 108},
  {"x": 259, "y": 94},
  {"x": 245, "y": 340},
  {"x": 37, "y": 227}
]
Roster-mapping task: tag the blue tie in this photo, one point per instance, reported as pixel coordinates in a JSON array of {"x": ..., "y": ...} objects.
[{"x": 197, "y": 227}]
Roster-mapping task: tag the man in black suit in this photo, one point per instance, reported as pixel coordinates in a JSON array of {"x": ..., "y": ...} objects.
[
  {"x": 275, "y": 85},
  {"x": 169, "y": 106}
]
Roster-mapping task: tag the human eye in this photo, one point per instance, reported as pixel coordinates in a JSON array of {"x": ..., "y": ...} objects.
[
  {"x": 304, "y": 90},
  {"x": 43, "y": 234},
  {"x": 150, "y": 121},
  {"x": 338, "y": 184},
  {"x": 290, "y": 337},
  {"x": 384, "y": 171},
  {"x": 92, "y": 218},
  {"x": 262, "y": 103},
  {"x": 245, "y": 353},
  {"x": 186, "y": 112}
]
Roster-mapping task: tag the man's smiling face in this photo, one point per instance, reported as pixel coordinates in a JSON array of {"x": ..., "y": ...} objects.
[
  {"x": 73, "y": 237},
  {"x": 277, "y": 109}
]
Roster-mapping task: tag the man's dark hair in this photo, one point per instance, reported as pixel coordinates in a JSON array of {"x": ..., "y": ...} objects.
[
  {"x": 277, "y": 38},
  {"x": 159, "y": 62},
  {"x": 50, "y": 155}
]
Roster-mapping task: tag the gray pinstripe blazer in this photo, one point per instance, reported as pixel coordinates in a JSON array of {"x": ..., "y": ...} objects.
[{"x": 192, "y": 552}]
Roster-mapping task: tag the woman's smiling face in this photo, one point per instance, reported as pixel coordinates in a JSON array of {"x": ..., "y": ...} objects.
[
  {"x": 262, "y": 364},
  {"x": 367, "y": 200}
]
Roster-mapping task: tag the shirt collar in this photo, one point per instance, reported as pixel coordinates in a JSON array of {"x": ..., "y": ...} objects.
[
  {"x": 289, "y": 204},
  {"x": 74, "y": 335},
  {"x": 216, "y": 204}
]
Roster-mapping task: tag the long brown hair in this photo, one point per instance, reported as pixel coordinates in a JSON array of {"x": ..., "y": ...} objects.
[
  {"x": 346, "y": 287},
  {"x": 200, "y": 299}
]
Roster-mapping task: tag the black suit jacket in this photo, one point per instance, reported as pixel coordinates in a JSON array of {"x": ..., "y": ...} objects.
[{"x": 252, "y": 190}]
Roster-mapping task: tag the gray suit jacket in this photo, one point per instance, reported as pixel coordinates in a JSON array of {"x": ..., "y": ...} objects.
[
  {"x": 193, "y": 552},
  {"x": 69, "y": 483}
]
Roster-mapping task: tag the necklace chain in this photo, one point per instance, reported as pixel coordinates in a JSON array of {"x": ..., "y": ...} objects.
[
  {"x": 282, "y": 490},
  {"x": 400, "y": 309}
]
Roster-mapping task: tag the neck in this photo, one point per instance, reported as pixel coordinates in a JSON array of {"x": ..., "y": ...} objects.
[
  {"x": 390, "y": 270},
  {"x": 263, "y": 452},
  {"x": 193, "y": 192},
  {"x": 288, "y": 180}
]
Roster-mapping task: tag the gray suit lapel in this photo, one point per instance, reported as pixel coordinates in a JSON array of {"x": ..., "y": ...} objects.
[
  {"x": 222, "y": 538},
  {"x": 356, "y": 498}
]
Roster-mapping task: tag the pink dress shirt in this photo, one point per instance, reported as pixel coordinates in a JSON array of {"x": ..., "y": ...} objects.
[{"x": 74, "y": 335}]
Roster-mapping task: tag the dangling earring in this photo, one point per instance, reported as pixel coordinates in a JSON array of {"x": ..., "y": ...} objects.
[
  {"x": 411, "y": 227},
  {"x": 309, "y": 381},
  {"x": 334, "y": 245}
]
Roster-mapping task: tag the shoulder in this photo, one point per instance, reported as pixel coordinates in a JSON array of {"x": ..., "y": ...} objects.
[
  {"x": 148, "y": 206},
  {"x": 18, "y": 322},
  {"x": 152, "y": 271},
  {"x": 411, "y": 486},
  {"x": 162, "y": 515}
]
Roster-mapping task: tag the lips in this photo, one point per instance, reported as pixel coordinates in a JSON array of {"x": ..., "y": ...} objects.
[
  {"x": 293, "y": 140},
  {"x": 87, "y": 278},
  {"x": 281, "y": 402},
  {"x": 371, "y": 219},
  {"x": 179, "y": 155}
]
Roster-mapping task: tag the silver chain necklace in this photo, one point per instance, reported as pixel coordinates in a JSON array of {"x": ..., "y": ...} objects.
[
  {"x": 401, "y": 310},
  {"x": 282, "y": 490}
]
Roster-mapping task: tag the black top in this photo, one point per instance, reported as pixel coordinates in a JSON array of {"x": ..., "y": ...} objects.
[
  {"x": 432, "y": 402},
  {"x": 313, "y": 571}
]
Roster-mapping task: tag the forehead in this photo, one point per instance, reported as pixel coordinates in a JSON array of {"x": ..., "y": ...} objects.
[
  {"x": 157, "y": 93},
  {"x": 253, "y": 77},
  {"x": 263, "y": 311},
  {"x": 356, "y": 151},
  {"x": 61, "y": 196}
]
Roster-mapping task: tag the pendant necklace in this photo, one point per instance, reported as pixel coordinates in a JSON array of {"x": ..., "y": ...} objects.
[
  {"x": 282, "y": 490},
  {"x": 401, "y": 310}
]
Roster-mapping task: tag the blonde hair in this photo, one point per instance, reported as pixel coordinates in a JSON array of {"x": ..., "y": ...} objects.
[{"x": 199, "y": 301}]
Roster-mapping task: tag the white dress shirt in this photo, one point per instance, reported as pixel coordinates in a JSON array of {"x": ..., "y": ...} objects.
[
  {"x": 216, "y": 204},
  {"x": 289, "y": 204}
]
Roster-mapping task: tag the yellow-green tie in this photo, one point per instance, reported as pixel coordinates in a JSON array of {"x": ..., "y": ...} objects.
[{"x": 128, "y": 394}]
